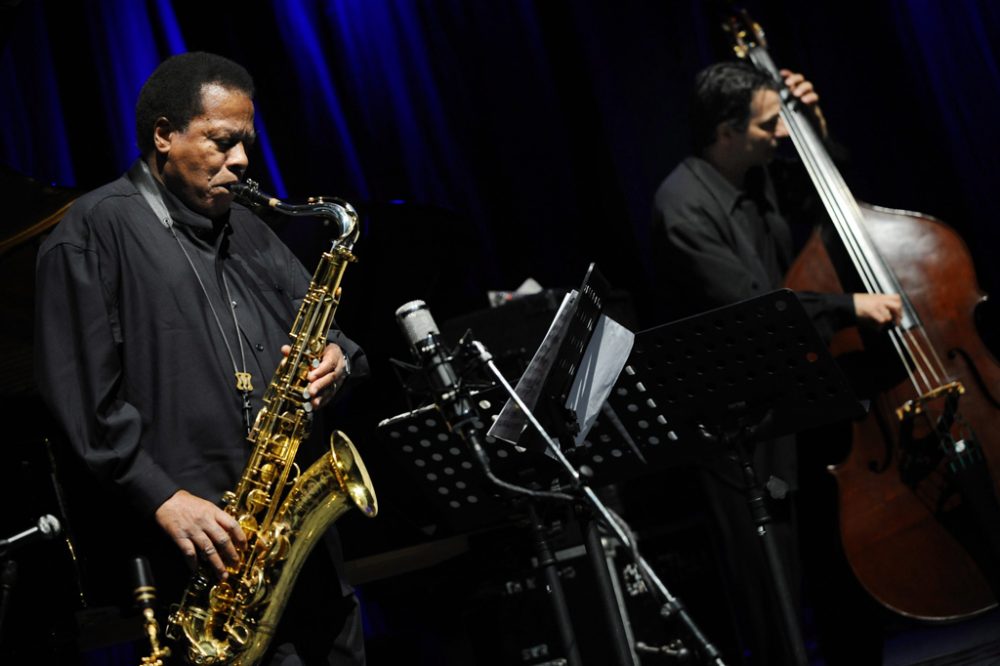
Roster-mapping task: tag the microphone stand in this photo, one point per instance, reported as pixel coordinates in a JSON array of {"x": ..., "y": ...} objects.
[
  {"x": 671, "y": 606},
  {"x": 462, "y": 423},
  {"x": 549, "y": 566}
]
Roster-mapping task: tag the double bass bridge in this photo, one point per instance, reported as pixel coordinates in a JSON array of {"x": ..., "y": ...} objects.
[
  {"x": 938, "y": 450},
  {"x": 949, "y": 393}
]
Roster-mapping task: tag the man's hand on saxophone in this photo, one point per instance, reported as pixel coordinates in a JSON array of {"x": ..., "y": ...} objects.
[
  {"x": 198, "y": 527},
  {"x": 327, "y": 378}
]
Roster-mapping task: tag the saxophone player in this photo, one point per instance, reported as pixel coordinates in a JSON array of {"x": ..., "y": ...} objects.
[{"x": 162, "y": 310}]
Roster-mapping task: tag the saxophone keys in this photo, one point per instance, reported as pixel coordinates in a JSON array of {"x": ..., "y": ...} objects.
[
  {"x": 238, "y": 631},
  {"x": 221, "y": 597},
  {"x": 280, "y": 548},
  {"x": 256, "y": 500},
  {"x": 248, "y": 524},
  {"x": 268, "y": 473}
]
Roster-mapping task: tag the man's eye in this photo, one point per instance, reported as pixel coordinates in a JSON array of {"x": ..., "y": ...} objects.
[{"x": 225, "y": 145}]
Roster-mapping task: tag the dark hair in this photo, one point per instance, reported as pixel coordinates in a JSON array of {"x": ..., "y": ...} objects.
[
  {"x": 722, "y": 93},
  {"x": 173, "y": 91}
]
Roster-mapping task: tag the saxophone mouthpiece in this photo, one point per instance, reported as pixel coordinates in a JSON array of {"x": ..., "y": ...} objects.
[{"x": 249, "y": 192}]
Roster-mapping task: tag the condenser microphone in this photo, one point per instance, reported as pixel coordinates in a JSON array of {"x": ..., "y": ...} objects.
[
  {"x": 453, "y": 402},
  {"x": 422, "y": 333},
  {"x": 48, "y": 527}
]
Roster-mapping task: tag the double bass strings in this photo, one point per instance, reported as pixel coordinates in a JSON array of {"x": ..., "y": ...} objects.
[{"x": 920, "y": 360}]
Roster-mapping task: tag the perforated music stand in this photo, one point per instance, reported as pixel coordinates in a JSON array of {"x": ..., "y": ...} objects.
[
  {"x": 727, "y": 378},
  {"x": 444, "y": 469},
  {"x": 452, "y": 482},
  {"x": 735, "y": 363},
  {"x": 603, "y": 443}
]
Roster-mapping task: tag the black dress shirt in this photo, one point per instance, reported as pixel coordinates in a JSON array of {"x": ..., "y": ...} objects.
[
  {"x": 130, "y": 357},
  {"x": 716, "y": 244}
]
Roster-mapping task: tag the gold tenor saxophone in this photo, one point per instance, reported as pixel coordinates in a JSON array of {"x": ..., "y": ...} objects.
[{"x": 282, "y": 512}]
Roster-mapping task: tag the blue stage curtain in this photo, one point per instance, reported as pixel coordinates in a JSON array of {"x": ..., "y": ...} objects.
[
  {"x": 543, "y": 125},
  {"x": 953, "y": 49}
]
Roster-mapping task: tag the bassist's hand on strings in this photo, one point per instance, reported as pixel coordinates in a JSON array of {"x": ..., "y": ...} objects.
[
  {"x": 878, "y": 311},
  {"x": 201, "y": 529},
  {"x": 802, "y": 89}
]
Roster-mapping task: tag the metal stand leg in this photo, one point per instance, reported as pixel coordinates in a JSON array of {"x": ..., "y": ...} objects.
[
  {"x": 547, "y": 563},
  {"x": 782, "y": 592},
  {"x": 611, "y": 602}
]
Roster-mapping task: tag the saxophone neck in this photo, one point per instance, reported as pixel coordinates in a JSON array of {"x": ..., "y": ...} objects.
[
  {"x": 334, "y": 211},
  {"x": 349, "y": 236}
]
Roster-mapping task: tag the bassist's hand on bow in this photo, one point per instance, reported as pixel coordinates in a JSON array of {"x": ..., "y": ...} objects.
[
  {"x": 878, "y": 311},
  {"x": 201, "y": 529},
  {"x": 802, "y": 89}
]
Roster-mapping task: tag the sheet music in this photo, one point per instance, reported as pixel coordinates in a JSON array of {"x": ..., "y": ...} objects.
[
  {"x": 511, "y": 421},
  {"x": 602, "y": 362}
]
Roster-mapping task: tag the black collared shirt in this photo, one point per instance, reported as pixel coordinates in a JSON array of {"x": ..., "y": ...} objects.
[
  {"x": 716, "y": 244},
  {"x": 130, "y": 358}
]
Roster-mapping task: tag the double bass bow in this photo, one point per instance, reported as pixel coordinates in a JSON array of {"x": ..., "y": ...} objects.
[{"x": 918, "y": 494}]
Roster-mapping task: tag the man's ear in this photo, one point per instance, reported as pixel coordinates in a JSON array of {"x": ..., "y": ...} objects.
[
  {"x": 163, "y": 134},
  {"x": 724, "y": 132}
]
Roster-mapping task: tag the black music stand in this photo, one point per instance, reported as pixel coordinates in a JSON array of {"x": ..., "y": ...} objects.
[
  {"x": 732, "y": 376},
  {"x": 556, "y": 378},
  {"x": 452, "y": 481},
  {"x": 586, "y": 311},
  {"x": 449, "y": 473},
  {"x": 452, "y": 472}
]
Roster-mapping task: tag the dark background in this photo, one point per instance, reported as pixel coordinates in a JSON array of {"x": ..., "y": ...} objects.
[{"x": 482, "y": 142}]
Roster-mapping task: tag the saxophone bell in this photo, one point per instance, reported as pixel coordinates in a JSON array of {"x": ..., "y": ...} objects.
[{"x": 333, "y": 211}]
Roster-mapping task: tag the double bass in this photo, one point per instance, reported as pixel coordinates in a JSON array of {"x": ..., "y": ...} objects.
[{"x": 918, "y": 493}]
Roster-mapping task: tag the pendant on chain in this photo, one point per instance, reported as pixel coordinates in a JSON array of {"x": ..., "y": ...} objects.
[{"x": 243, "y": 381}]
